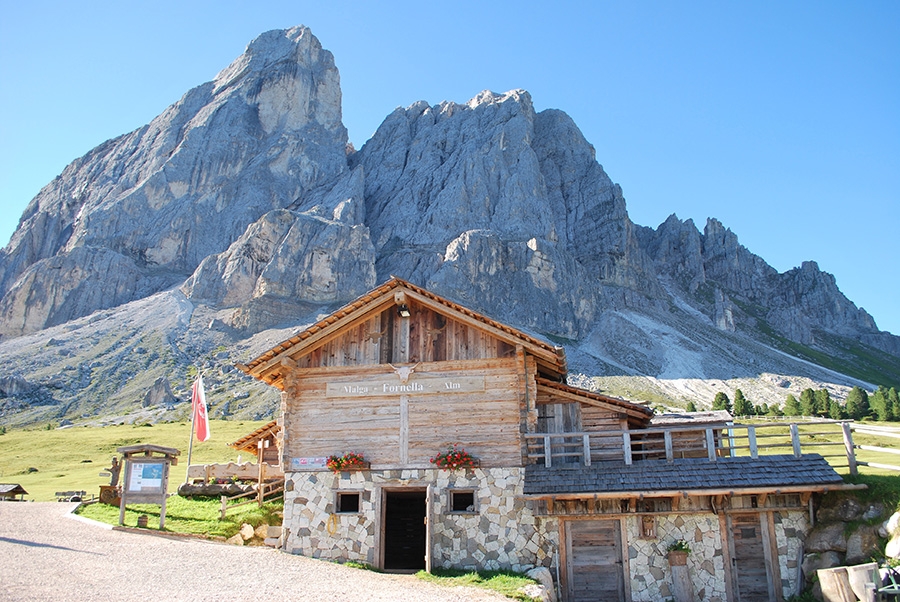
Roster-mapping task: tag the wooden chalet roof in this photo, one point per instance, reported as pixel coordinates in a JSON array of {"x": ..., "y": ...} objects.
[
  {"x": 692, "y": 476},
  {"x": 268, "y": 366},
  {"x": 11, "y": 489},
  {"x": 248, "y": 442},
  {"x": 638, "y": 415}
]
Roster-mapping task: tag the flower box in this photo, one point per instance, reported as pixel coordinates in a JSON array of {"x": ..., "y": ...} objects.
[{"x": 349, "y": 461}]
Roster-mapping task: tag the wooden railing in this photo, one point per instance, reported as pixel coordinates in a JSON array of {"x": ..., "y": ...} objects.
[
  {"x": 830, "y": 438},
  {"x": 272, "y": 490}
]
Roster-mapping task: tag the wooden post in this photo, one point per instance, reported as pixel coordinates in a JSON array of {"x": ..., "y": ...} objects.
[
  {"x": 224, "y": 506},
  {"x": 626, "y": 446},
  {"x": 711, "y": 445},
  {"x": 548, "y": 462},
  {"x": 849, "y": 447},
  {"x": 586, "y": 449},
  {"x": 795, "y": 439},
  {"x": 751, "y": 437},
  {"x": 667, "y": 438}
]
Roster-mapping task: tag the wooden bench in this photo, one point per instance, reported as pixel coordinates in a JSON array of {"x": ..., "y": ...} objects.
[{"x": 70, "y": 496}]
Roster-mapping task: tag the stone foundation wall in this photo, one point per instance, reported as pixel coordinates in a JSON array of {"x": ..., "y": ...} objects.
[
  {"x": 501, "y": 533},
  {"x": 651, "y": 576},
  {"x": 791, "y": 529}
]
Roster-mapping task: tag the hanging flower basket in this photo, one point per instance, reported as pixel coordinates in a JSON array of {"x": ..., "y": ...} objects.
[
  {"x": 349, "y": 461},
  {"x": 455, "y": 457}
]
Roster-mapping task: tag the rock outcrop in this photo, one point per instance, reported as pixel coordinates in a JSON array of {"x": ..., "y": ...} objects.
[
  {"x": 242, "y": 208},
  {"x": 149, "y": 206}
]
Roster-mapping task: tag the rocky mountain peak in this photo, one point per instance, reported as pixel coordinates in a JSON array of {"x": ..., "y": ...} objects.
[{"x": 152, "y": 204}]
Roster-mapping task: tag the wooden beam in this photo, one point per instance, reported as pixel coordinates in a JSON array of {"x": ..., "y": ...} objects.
[{"x": 593, "y": 402}]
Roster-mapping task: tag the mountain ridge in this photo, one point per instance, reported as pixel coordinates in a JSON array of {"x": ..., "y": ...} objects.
[{"x": 243, "y": 206}]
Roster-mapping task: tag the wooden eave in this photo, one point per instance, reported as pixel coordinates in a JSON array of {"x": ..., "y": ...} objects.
[
  {"x": 637, "y": 414},
  {"x": 248, "y": 442},
  {"x": 685, "y": 493},
  {"x": 268, "y": 366}
]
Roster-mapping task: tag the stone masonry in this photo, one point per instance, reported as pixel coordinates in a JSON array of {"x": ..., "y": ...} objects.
[{"x": 501, "y": 532}]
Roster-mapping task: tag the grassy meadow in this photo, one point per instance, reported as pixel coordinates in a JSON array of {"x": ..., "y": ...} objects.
[{"x": 70, "y": 459}]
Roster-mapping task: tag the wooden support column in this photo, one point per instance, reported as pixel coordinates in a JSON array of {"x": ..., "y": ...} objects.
[
  {"x": 795, "y": 440},
  {"x": 849, "y": 447},
  {"x": 711, "y": 445},
  {"x": 626, "y": 446},
  {"x": 751, "y": 436},
  {"x": 670, "y": 454}
]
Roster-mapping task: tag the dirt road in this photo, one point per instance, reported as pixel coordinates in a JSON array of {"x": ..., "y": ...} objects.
[{"x": 47, "y": 554}]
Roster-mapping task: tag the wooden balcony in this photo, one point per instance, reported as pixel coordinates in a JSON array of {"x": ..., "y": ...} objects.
[{"x": 831, "y": 439}]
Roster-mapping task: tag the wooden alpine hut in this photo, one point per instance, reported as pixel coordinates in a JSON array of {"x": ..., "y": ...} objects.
[{"x": 400, "y": 383}]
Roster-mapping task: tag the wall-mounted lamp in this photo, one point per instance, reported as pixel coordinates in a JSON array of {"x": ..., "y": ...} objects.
[{"x": 403, "y": 310}]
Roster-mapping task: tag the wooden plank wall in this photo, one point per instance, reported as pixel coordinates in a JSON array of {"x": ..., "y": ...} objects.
[
  {"x": 486, "y": 423},
  {"x": 432, "y": 338}
]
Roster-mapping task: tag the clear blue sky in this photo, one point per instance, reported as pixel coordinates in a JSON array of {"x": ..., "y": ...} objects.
[{"x": 781, "y": 119}]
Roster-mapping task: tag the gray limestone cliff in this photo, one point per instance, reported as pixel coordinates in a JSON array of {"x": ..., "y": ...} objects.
[
  {"x": 139, "y": 213},
  {"x": 242, "y": 208}
]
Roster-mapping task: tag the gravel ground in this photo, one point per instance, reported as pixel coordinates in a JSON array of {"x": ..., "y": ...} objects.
[{"x": 46, "y": 553}]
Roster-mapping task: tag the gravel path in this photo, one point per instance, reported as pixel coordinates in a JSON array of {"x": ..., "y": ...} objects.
[{"x": 46, "y": 553}]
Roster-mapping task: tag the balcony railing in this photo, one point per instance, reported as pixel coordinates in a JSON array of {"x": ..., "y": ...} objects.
[{"x": 831, "y": 439}]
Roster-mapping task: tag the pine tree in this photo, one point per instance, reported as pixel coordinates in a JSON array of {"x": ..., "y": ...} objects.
[
  {"x": 742, "y": 407},
  {"x": 823, "y": 402},
  {"x": 894, "y": 399},
  {"x": 857, "y": 403},
  {"x": 880, "y": 405},
  {"x": 774, "y": 410},
  {"x": 808, "y": 402},
  {"x": 835, "y": 411},
  {"x": 762, "y": 410},
  {"x": 721, "y": 402},
  {"x": 791, "y": 406},
  {"x": 690, "y": 407}
]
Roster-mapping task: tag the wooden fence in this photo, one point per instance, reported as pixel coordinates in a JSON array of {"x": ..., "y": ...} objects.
[
  {"x": 272, "y": 490},
  {"x": 833, "y": 439}
]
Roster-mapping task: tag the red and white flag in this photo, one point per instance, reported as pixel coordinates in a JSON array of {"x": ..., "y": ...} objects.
[{"x": 198, "y": 405}]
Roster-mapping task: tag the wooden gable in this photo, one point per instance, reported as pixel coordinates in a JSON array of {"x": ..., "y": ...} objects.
[{"x": 371, "y": 331}]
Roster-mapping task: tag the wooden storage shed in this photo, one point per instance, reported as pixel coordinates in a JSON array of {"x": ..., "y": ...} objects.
[{"x": 566, "y": 479}]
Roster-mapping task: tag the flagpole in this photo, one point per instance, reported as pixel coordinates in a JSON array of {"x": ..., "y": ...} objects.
[{"x": 193, "y": 418}]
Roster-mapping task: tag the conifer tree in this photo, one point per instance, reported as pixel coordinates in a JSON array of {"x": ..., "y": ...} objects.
[
  {"x": 894, "y": 400},
  {"x": 857, "y": 403},
  {"x": 690, "y": 407},
  {"x": 808, "y": 402},
  {"x": 823, "y": 402},
  {"x": 880, "y": 405},
  {"x": 791, "y": 406},
  {"x": 721, "y": 402},
  {"x": 742, "y": 407},
  {"x": 835, "y": 411}
]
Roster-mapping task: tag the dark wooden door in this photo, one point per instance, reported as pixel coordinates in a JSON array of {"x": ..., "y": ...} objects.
[
  {"x": 749, "y": 559},
  {"x": 594, "y": 561},
  {"x": 404, "y": 530}
]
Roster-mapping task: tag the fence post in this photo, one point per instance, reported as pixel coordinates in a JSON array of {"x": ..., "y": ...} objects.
[
  {"x": 586, "y": 447},
  {"x": 711, "y": 445},
  {"x": 224, "y": 506},
  {"x": 795, "y": 439},
  {"x": 851, "y": 449},
  {"x": 667, "y": 438},
  {"x": 626, "y": 447},
  {"x": 751, "y": 437},
  {"x": 547, "y": 451}
]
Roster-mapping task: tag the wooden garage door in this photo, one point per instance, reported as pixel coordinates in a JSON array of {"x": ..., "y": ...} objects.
[
  {"x": 752, "y": 583},
  {"x": 594, "y": 561}
]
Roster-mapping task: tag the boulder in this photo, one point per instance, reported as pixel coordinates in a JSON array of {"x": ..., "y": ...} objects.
[
  {"x": 862, "y": 545},
  {"x": 827, "y": 537},
  {"x": 844, "y": 509},
  {"x": 247, "y": 531},
  {"x": 235, "y": 540},
  {"x": 815, "y": 561},
  {"x": 545, "y": 591}
]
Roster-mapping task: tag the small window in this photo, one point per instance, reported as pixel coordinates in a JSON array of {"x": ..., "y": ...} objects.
[
  {"x": 648, "y": 527},
  {"x": 347, "y": 502},
  {"x": 462, "y": 500}
]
